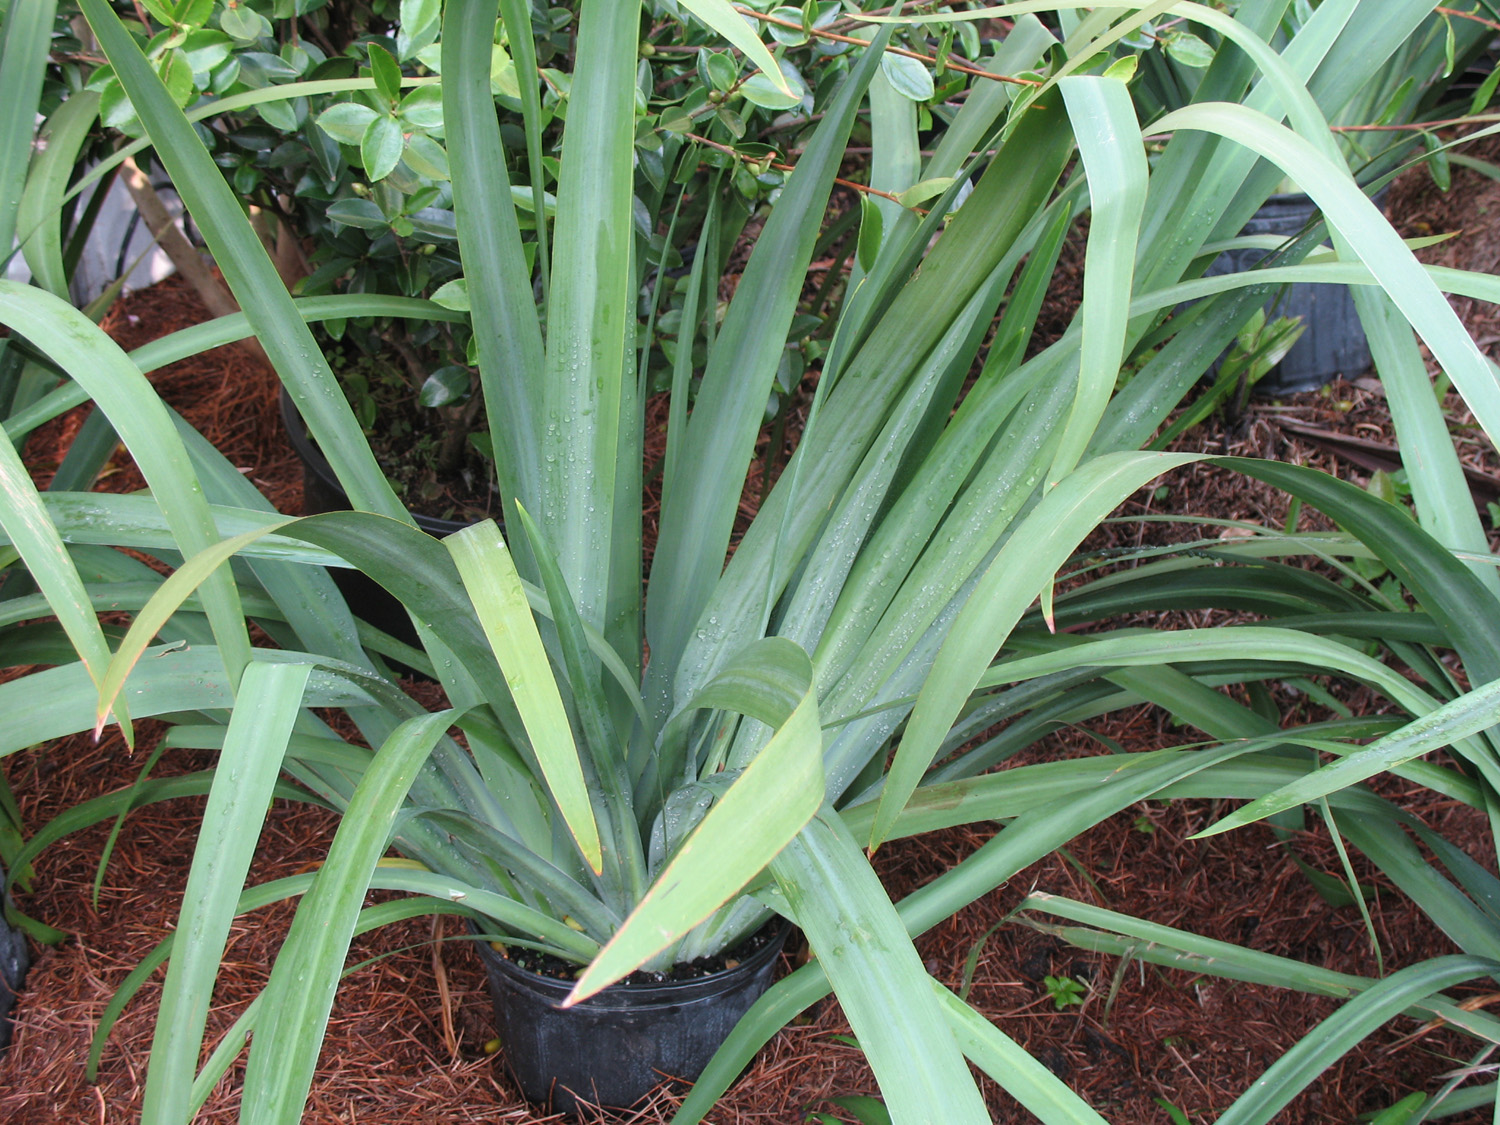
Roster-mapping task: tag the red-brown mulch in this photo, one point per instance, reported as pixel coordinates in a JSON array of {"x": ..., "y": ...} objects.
[{"x": 407, "y": 1039}]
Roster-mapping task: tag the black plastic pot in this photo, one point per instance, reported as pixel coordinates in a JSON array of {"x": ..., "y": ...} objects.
[
  {"x": 13, "y": 964},
  {"x": 1333, "y": 341},
  {"x": 613, "y": 1048},
  {"x": 321, "y": 492}
]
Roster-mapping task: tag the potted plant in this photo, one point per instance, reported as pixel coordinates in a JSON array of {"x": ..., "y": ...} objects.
[{"x": 627, "y": 813}]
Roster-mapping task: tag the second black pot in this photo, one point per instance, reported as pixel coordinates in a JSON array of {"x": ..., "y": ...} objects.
[
  {"x": 613, "y": 1048},
  {"x": 1333, "y": 341},
  {"x": 13, "y": 965}
]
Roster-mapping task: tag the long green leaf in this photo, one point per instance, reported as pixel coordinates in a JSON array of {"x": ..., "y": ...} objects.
[
  {"x": 39, "y": 219},
  {"x": 142, "y": 421},
  {"x": 167, "y": 599},
  {"x": 1024, "y": 1078},
  {"x": 24, "y": 40},
  {"x": 225, "y": 330},
  {"x": 1023, "y": 567},
  {"x": 1346, "y": 1029},
  {"x": 700, "y": 499},
  {"x": 1444, "y": 586},
  {"x": 1104, "y": 122},
  {"x": 490, "y": 577},
  {"x": 270, "y": 697},
  {"x": 300, "y": 992},
  {"x": 1469, "y": 714},
  {"x": 590, "y": 703},
  {"x": 35, "y": 538},
  {"x": 507, "y": 334},
  {"x": 1380, "y": 248},
  {"x": 247, "y": 268},
  {"x": 581, "y": 392},
  {"x": 882, "y": 986},
  {"x": 1164, "y": 945},
  {"x": 1444, "y": 504}
]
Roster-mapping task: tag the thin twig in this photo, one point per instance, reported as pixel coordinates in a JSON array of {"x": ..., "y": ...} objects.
[
  {"x": 821, "y": 34},
  {"x": 864, "y": 188},
  {"x": 1415, "y": 125},
  {"x": 1475, "y": 16}
]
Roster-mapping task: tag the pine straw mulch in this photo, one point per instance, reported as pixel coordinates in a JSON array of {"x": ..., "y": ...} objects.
[{"x": 407, "y": 1038}]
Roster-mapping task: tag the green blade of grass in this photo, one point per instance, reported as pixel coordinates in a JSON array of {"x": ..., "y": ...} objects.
[
  {"x": 590, "y": 703},
  {"x": 1164, "y": 945},
  {"x": 270, "y": 697},
  {"x": 831, "y": 891},
  {"x": 61, "y": 701},
  {"x": 516, "y": 15},
  {"x": 1444, "y": 586},
  {"x": 484, "y": 564},
  {"x": 299, "y": 994}
]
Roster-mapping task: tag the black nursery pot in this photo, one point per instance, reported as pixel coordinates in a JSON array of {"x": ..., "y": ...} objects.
[
  {"x": 1333, "y": 341},
  {"x": 613, "y": 1048},
  {"x": 321, "y": 492},
  {"x": 13, "y": 965}
]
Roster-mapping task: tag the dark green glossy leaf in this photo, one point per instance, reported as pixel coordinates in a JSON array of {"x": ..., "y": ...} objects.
[
  {"x": 380, "y": 149},
  {"x": 387, "y": 73},
  {"x": 445, "y": 385}
]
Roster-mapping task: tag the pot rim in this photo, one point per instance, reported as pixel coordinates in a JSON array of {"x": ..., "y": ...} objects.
[{"x": 667, "y": 992}]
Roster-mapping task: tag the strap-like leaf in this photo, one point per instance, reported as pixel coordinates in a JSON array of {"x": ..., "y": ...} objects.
[
  {"x": 270, "y": 697},
  {"x": 1027, "y": 562},
  {"x": 24, "y": 41},
  {"x": 141, "y": 419},
  {"x": 35, "y": 537},
  {"x": 1024, "y": 1078},
  {"x": 39, "y": 219},
  {"x": 300, "y": 992},
  {"x": 490, "y": 577},
  {"x": 883, "y": 988},
  {"x": 247, "y": 268},
  {"x": 1104, "y": 122}
]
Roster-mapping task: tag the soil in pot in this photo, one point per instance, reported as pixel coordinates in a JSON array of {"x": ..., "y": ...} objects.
[
  {"x": 321, "y": 492},
  {"x": 614, "y": 1048},
  {"x": 432, "y": 454}
]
